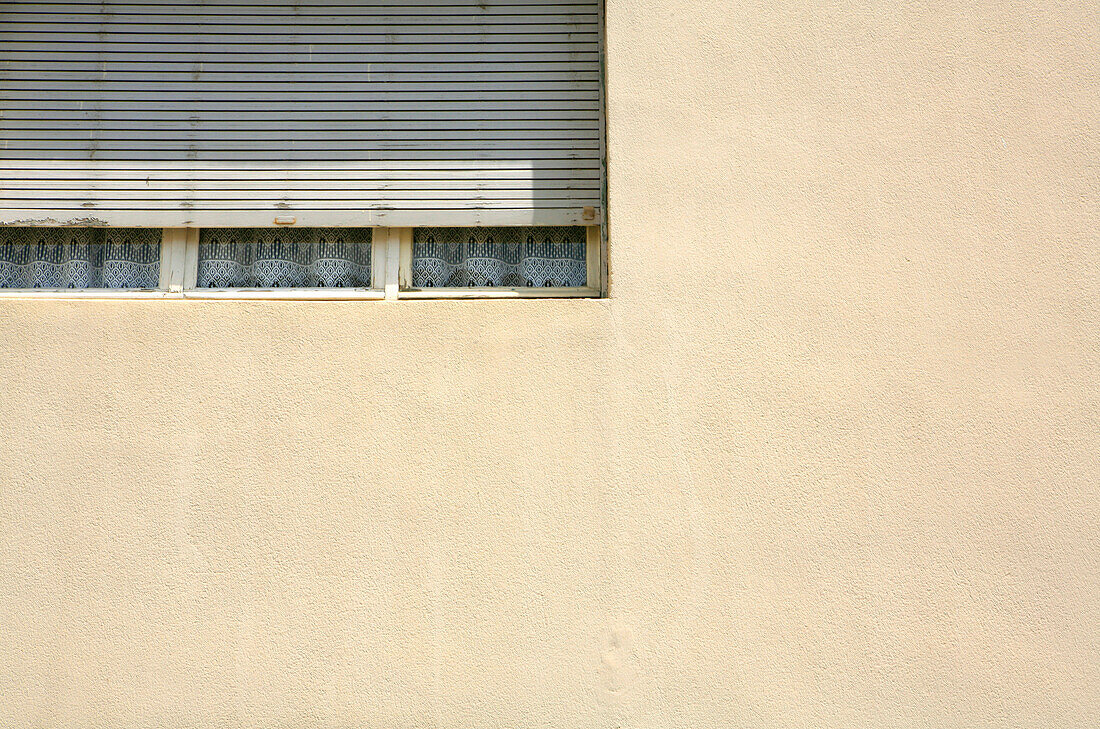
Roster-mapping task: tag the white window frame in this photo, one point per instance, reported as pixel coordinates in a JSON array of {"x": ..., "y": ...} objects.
[{"x": 391, "y": 276}]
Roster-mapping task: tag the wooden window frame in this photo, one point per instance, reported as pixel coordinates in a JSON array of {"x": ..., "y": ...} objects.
[{"x": 391, "y": 276}]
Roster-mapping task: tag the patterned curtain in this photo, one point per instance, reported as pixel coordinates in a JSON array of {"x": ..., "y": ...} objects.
[
  {"x": 284, "y": 257},
  {"x": 533, "y": 256},
  {"x": 80, "y": 258}
]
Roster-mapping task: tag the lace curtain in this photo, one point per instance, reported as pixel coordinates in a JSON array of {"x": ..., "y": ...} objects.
[
  {"x": 531, "y": 256},
  {"x": 79, "y": 258},
  {"x": 129, "y": 258},
  {"x": 284, "y": 257}
]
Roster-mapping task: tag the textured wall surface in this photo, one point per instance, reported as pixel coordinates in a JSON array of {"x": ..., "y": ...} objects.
[{"x": 827, "y": 457}]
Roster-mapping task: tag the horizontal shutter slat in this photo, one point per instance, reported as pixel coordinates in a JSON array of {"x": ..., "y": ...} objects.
[
  {"x": 423, "y": 112},
  {"x": 241, "y": 217}
]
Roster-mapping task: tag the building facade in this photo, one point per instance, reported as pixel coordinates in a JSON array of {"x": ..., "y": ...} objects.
[{"x": 820, "y": 451}]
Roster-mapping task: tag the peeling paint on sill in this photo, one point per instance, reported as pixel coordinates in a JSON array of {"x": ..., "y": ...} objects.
[{"x": 74, "y": 222}]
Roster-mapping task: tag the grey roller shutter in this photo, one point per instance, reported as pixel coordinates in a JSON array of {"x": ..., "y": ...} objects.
[{"x": 210, "y": 113}]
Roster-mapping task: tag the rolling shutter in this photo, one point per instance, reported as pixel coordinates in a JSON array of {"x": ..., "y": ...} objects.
[{"x": 211, "y": 113}]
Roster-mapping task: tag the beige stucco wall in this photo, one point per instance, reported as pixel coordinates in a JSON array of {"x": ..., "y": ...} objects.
[{"x": 827, "y": 457}]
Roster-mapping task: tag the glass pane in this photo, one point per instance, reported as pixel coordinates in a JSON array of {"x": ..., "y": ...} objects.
[
  {"x": 79, "y": 258},
  {"x": 266, "y": 258},
  {"x": 473, "y": 257}
]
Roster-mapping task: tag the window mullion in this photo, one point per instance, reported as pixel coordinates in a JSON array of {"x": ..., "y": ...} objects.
[
  {"x": 393, "y": 262},
  {"x": 380, "y": 238},
  {"x": 165, "y": 258},
  {"x": 173, "y": 251},
  {"x": 404, "y": 269},
  {"x": 191, "y": 259},
  {"x": 593, "y": 257}
]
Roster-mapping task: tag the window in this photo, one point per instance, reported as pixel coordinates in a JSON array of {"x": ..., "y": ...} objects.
[
  {"x": 79, "y": 258},
  {"x": 302, "y": 263},
  {"x": 450, "y": 148},
  {"x": 272, "y": 258}
]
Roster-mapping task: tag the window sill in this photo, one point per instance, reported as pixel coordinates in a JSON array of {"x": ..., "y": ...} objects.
[
  {"x": 302, "y": 294},
  {"x": 500, "y": 293},
  {"x": 232, "y": 294}
]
